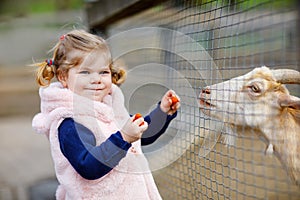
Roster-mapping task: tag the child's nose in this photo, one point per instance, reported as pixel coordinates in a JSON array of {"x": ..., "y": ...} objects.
[{"x": 96, "y": 78}]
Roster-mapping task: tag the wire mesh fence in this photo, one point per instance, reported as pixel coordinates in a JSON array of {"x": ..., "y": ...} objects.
[{"x": 187, "y": 46}]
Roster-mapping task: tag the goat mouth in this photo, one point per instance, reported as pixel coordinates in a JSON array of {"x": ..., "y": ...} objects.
[{"x": 204, "y": 103}]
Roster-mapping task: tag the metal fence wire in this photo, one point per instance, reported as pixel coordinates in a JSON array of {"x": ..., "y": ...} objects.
[{"x": 186, "y": 46}]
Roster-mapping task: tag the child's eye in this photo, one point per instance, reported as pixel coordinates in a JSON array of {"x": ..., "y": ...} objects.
[
  {"x": 84, "y": 72},
  {"x": 105, "y": 72}
]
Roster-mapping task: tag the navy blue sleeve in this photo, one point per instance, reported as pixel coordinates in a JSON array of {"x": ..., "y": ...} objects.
[
  {"x": 78, "y": 145},
  {"x": 159, "y": 122}
]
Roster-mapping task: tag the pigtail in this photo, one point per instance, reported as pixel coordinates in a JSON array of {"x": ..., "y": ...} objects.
[
  {"x": 118, "y": 75},
  {"x": 45, "y": 72}
]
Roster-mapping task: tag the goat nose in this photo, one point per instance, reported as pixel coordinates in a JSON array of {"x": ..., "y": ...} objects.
[{"x": 206, "y": 91}]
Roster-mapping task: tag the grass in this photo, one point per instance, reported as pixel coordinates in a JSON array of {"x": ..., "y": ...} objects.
[
  {"x": 24, "y": 7},
  {"x": 52, "y": 5}
]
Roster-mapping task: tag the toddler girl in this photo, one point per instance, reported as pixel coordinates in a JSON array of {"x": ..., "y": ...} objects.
[{"x": 95, "y": 144}]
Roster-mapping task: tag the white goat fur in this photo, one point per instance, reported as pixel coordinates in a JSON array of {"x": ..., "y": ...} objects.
[{"x": 258, "y": 100}]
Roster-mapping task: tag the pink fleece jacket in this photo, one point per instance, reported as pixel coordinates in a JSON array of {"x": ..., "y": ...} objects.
[{"x": 130, "y": 179}]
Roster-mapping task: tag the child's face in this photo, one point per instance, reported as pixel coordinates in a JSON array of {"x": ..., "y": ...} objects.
[{"x": 91, "y": 79}]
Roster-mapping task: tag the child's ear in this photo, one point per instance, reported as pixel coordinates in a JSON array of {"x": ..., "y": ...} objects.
[{"x": 62, "y": 77}]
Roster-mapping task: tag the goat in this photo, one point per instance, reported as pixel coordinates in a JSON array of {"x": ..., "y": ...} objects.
[{"x": 259, "y": 100}]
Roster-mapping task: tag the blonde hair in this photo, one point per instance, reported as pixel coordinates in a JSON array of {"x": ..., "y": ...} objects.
[{"x": 64, "y": 57}]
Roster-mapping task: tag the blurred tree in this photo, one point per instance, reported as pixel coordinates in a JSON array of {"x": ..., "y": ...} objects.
[
  {"x": 63, "y": 4},
  {"x": 15, "y": 7}
]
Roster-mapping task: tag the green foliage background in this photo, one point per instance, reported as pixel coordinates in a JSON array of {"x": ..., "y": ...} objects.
[{"x": 23, "y": 7}]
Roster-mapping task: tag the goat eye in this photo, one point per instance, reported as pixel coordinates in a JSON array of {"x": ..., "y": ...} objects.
[{"x": 255, "y": 88}]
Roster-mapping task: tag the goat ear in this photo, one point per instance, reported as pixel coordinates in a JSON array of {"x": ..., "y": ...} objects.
[{"x": 289, "y": 101}]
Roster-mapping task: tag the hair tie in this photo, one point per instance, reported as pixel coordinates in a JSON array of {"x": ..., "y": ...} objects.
[
  {"x": 62, "y": 37},
  {"x": 49, "y": 62}
]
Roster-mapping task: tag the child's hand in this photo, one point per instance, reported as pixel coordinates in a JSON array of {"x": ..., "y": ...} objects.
[
  {"x": 170, "y": 102},
  {"x": 136, "y": 116},
  {"x": 134, "y": 128}
]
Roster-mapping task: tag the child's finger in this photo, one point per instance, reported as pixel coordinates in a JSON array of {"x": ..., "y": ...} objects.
[
  {"x": 176, "y": 106},
  {"x": 140, "y": 121},
  {"x": 136, "y": 116},
  {"x": 144, "y": 126},
  {"x": 170, "y": 93}
]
